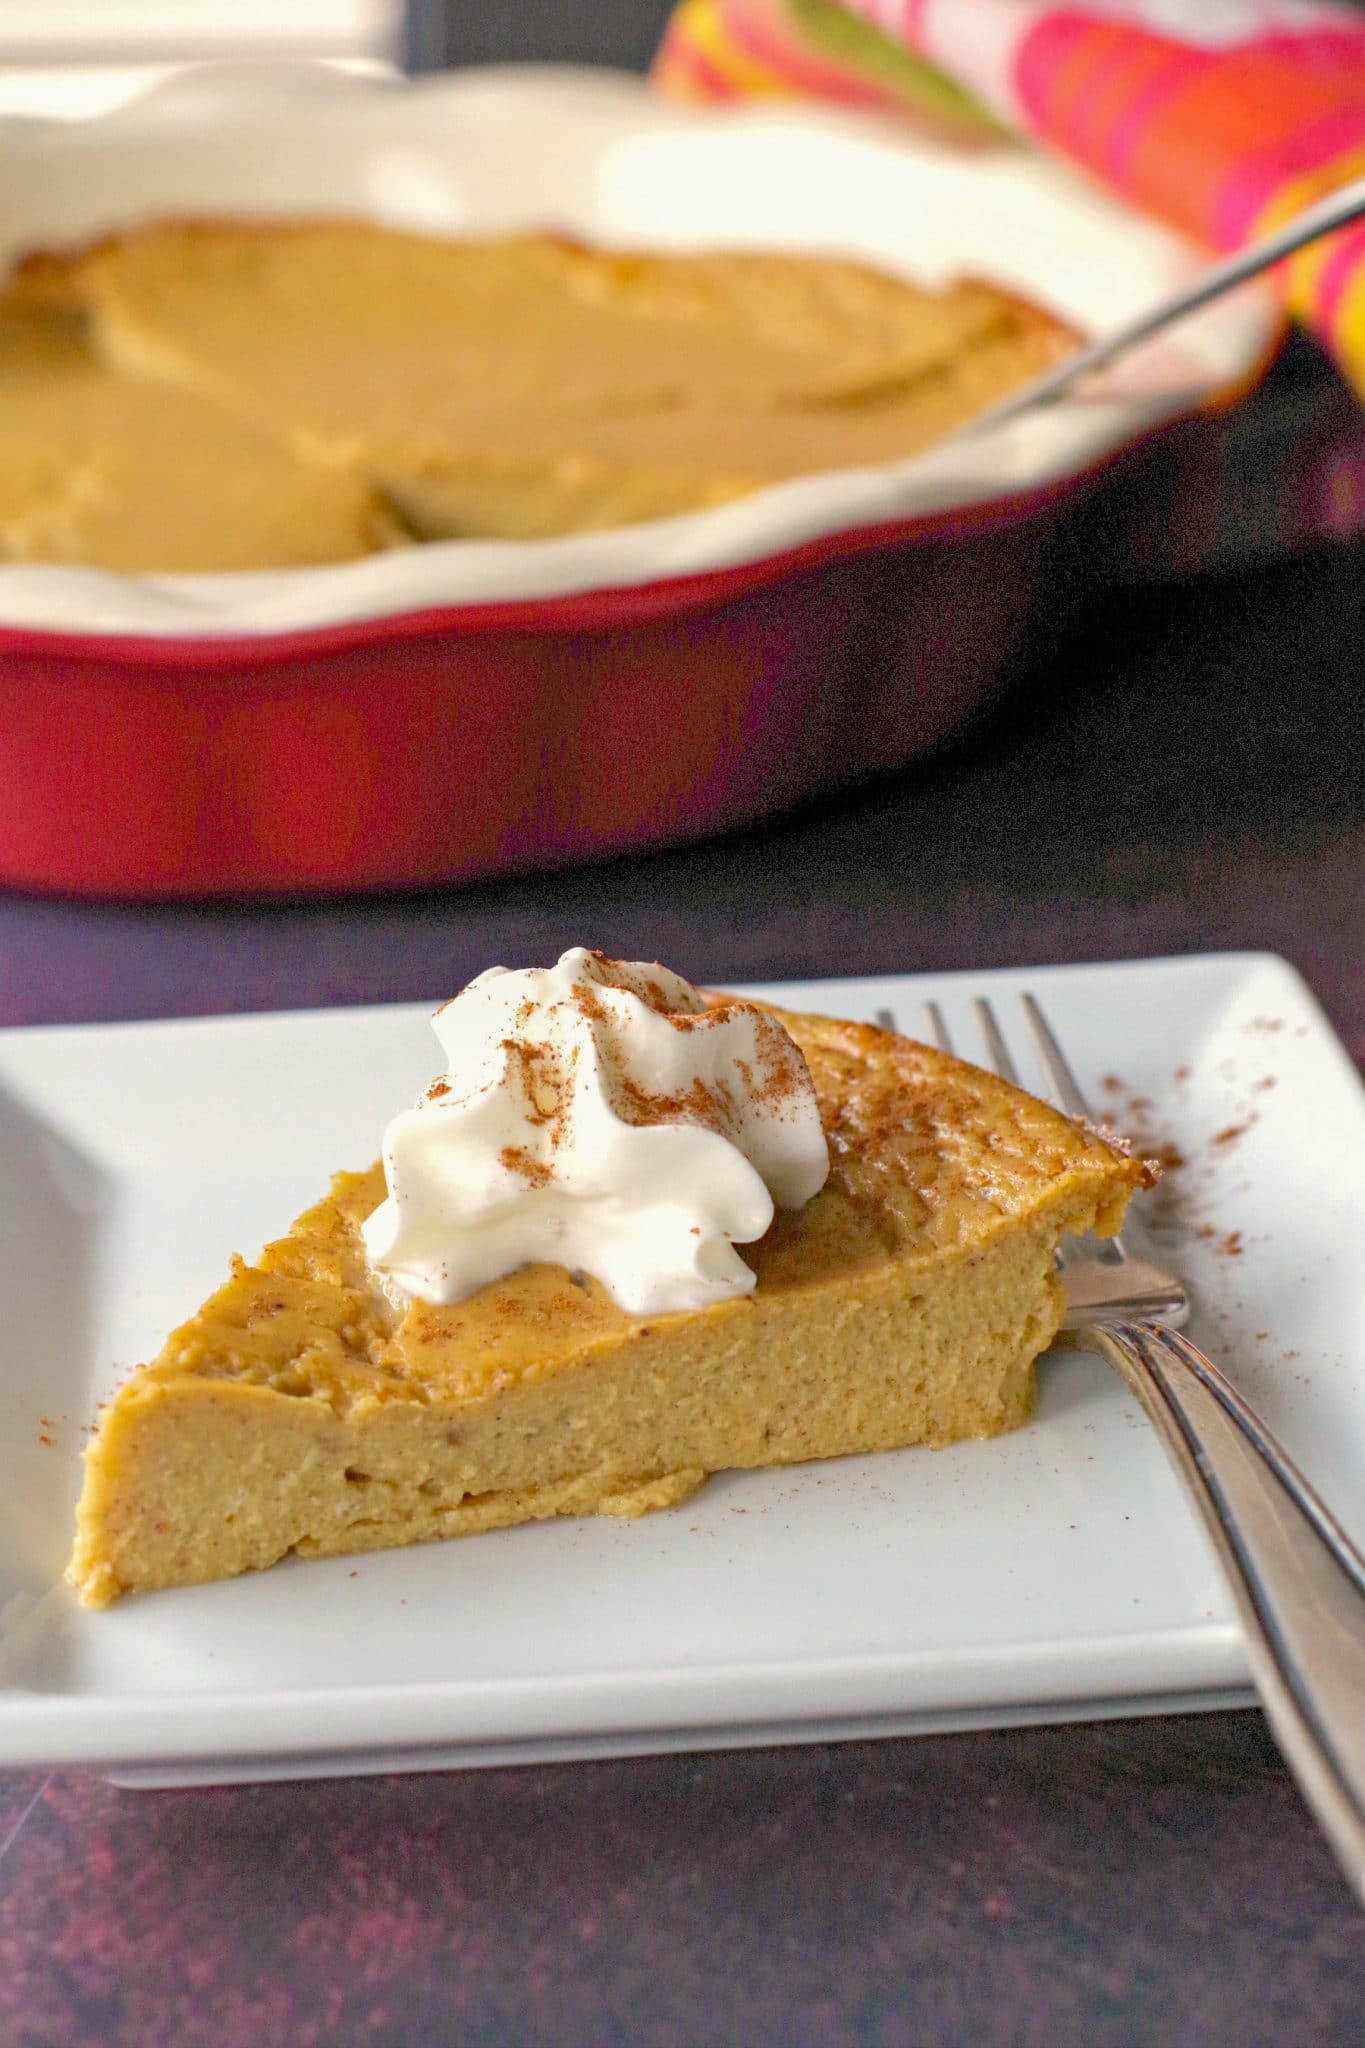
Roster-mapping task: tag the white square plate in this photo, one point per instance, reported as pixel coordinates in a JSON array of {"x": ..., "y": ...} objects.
[{"x": 1053, "y": 1573}]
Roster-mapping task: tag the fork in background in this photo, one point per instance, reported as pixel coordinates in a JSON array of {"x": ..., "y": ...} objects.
[{"x": 1296, "y": 1578}]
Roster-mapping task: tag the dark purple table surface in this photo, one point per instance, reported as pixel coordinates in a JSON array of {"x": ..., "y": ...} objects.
[{"x": 1189, "y": 775}]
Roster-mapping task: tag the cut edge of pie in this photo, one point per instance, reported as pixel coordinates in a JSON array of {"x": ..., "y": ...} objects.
[{"x": 298, "y": 1410}]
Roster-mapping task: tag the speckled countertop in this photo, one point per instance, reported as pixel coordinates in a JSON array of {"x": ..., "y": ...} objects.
[
  {"x": 1189, "y": 775},
  {"x": 1144, "y": 1881}
]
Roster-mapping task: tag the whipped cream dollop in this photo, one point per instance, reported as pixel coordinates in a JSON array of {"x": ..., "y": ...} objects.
[{"x": 600, "y": 1115}]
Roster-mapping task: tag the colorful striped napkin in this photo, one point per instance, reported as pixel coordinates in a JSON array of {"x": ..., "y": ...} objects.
[{"x": 1223, "y": 117}]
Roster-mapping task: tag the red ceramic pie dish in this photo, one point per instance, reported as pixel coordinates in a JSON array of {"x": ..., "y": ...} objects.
[
  {"x": 466, "y": 709},
  {"x": 448, "y": 744}
]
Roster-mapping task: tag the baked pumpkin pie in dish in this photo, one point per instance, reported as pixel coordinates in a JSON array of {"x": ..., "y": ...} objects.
[
  {"x": 524, "y": 386},
  {"x": 477, "y": 1331}
]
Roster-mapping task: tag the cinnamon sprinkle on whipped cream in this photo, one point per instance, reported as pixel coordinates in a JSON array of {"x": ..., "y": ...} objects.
[{"x": 605, "y": 1116}]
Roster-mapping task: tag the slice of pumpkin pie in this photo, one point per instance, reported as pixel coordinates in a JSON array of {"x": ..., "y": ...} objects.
[{"x": 634, "y": 1235}]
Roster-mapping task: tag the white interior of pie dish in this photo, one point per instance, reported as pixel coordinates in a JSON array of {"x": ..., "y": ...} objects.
[{"x": 603, "y": 157}]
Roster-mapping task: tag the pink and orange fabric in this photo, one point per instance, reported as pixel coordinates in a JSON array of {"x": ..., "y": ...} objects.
[{"x": 1222, "y": 117}]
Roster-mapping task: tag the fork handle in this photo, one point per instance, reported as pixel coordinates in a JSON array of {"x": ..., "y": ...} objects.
[{"x": 1298, "y": 1581}]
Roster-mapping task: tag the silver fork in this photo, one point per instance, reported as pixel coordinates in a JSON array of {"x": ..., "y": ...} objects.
[{"x": 1297, "y": 1579}]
